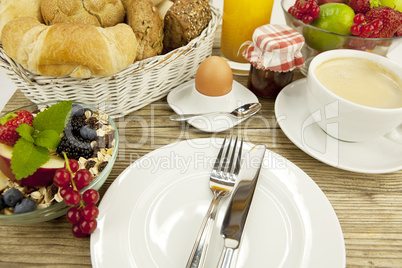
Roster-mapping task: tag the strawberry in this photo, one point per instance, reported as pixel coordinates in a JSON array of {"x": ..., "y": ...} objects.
[
  {"x": 363, "y": 6},
  {"x": 9, "y": 124},
  {"x": 399, "y": 31},
  {"x": 391, "y": 19}
]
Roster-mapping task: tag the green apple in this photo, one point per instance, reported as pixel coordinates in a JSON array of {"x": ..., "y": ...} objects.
[
  {"x": 335, "y": 18},
  {"x": 395, "y": 4}
]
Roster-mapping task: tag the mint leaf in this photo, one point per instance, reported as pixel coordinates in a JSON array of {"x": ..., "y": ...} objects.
[
  {"x": 27, "y": 158},
  {"x": 55, "y": 117},
  {"x": 26, "y": 132},
  {"x": 48, "y": 138}
]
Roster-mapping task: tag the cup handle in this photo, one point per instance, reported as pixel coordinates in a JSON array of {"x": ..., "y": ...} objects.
[{"x": 395, "y": 135}]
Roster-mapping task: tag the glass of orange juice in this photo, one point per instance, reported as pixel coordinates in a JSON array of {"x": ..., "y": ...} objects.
[{"x": 240, "y": 19}]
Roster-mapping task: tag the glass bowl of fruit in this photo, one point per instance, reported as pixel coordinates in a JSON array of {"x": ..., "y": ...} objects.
[
  {"x": 36, "y": 143},
  {"x": 333, "y": 24}
]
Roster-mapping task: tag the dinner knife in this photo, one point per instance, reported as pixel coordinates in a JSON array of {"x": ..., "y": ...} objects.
[{"x": 239, "y": 204}]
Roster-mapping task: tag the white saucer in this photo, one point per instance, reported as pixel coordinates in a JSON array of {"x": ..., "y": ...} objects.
[
  {"x": 184, "y": 100},
  {"x": 377, "y": 156}
]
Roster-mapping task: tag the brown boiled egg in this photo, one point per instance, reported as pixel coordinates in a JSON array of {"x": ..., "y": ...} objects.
[{"x": 214, "y": 77}]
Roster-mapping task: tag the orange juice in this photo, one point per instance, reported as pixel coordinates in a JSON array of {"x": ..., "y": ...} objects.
[{"x": 240, "y": 19}]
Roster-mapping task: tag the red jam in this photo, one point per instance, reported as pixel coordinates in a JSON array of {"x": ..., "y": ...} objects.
[{"x": 267, "y": 83}]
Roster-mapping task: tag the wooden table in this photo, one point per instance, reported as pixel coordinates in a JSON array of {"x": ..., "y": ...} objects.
[{"x": 369, "y": 207}]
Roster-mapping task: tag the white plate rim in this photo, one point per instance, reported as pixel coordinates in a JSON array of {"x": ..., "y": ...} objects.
[{"x": 338, "y": 252}]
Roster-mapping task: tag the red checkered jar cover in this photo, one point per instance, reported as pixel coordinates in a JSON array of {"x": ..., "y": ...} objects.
[{"x": 276, "y": 48}]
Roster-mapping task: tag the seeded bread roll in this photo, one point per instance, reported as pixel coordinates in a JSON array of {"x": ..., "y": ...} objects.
[
  {"x": 12, "y": 9},
  {"x": 104, "y": 13},
  {"x": 143, "y": 17},
  {"x": 184, "y": 21},
  {"x": 75, "y": 49}
]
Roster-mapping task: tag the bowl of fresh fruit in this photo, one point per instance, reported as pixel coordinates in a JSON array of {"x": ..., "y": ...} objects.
[
  {"x": 368, "y": 25},
  {"x": 53, "y": 159}
]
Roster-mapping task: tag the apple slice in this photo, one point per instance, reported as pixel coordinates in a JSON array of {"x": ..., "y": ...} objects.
[
  {"x": 42, "y": 177},
  {"x": 3, "y": 181}
]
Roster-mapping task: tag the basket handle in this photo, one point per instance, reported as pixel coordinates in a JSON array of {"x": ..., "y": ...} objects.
[{"x": 14, "y": 66}]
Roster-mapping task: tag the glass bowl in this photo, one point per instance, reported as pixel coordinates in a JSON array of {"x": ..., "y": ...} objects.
[
  {"x": 318, "y": 40},
  {"x": 59, "y": 209}
]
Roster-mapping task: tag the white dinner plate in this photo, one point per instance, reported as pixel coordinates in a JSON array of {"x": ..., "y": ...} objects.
[
  {"x": 182, "y": 100},
  {"x": 151, "y": 214},
  {"x": 377, "y": 156}
]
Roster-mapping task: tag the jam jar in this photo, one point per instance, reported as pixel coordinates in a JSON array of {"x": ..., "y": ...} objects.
[{"x": 274, "y": 54}]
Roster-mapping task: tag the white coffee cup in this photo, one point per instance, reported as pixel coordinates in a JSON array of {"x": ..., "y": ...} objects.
[{"x": 353, "y": 122}]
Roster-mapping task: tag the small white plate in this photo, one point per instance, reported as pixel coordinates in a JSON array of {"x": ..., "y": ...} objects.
[
  {"x": 151, "y": 214},
  {"x": 377, "y": 156},
  {"x": 185, "y": 99}
]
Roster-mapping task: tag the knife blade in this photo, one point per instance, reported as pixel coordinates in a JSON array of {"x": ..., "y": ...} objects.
[{"x": 239, "y": 204}]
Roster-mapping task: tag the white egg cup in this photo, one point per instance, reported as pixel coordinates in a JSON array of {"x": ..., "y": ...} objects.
[
  {"x": 208, "y": 104},
  {"x": 185, "y": 99}
]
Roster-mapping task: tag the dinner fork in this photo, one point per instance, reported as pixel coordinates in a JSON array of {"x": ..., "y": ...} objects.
[{"x": 221, "y": 183}]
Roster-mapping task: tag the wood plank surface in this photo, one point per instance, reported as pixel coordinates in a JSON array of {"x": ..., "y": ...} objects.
[{"x": 369, "y": 206}]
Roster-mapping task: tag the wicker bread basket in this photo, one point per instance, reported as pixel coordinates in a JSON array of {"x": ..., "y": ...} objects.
[{"x": 131, "y": 89}]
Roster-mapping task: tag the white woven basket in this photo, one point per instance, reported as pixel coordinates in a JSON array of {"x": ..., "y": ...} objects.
[{"x": 131, "y": 89}]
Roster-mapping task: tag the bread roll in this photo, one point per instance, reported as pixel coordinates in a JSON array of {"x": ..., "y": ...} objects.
[
  {"x": 75, "y": 49},
  {"x": 184, "y": 21},
  {"x": 143, "y": 17},
  {"x": 105, "y": 13},
  {"x": 12, "y": 9},
  {"x": 125, "y": 2}
]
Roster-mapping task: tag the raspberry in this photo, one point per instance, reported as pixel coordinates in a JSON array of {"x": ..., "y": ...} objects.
[
  {"x": 391, "y": 21},
  {"x": 10, "y": 122}
]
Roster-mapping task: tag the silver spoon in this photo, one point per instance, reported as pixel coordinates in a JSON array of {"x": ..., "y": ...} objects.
[{"x": 243, "y": 111}]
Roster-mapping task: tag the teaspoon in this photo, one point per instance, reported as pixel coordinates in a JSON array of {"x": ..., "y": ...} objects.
[{"x": 243, "y": 111}]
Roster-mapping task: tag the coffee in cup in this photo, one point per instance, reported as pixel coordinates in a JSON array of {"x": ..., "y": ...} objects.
[
  {"x": 361, "y": 81},
  {"x": 359, "y": 91}
]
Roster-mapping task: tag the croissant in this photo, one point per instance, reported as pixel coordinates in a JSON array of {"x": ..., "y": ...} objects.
[{"x": 74, "y": 49}]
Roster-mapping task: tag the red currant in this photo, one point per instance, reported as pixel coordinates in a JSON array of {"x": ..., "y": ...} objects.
[
  {"x": 62, "y": 177},
  {"x": 73, "y": 198},
  {"x": 377, "y": 24},
  {"x": 74, "y": 165},
  {"x": 82, "y": 178},
  {"x": 88, "y": 226},
  {"x": 74, "y": 215},
  {"x": 90, "y": 197},
  {"x": 90, "y": 212},
  {"x": 359, "y": 18},
  {"x": 77, "y": 232},
  {"x": 307, "y": 19},
  {"x": 305, "y": 10},
  {"x": 356, "y": 29},
  {"x": 367, "y": 30},
  {"x": 65, "y": 190},
  {"x": 315, "y": 12}
]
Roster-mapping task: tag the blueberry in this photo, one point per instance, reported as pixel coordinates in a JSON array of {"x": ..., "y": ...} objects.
[
  {"x": 77, "y": 110},
  {"x": 12, "y": 196},
  {"x": 26, "y": 205},
  {"x": 88, "y": 133}
]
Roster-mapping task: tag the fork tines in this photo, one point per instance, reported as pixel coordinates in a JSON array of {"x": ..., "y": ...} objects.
[{"x": 225, "y": 167}]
